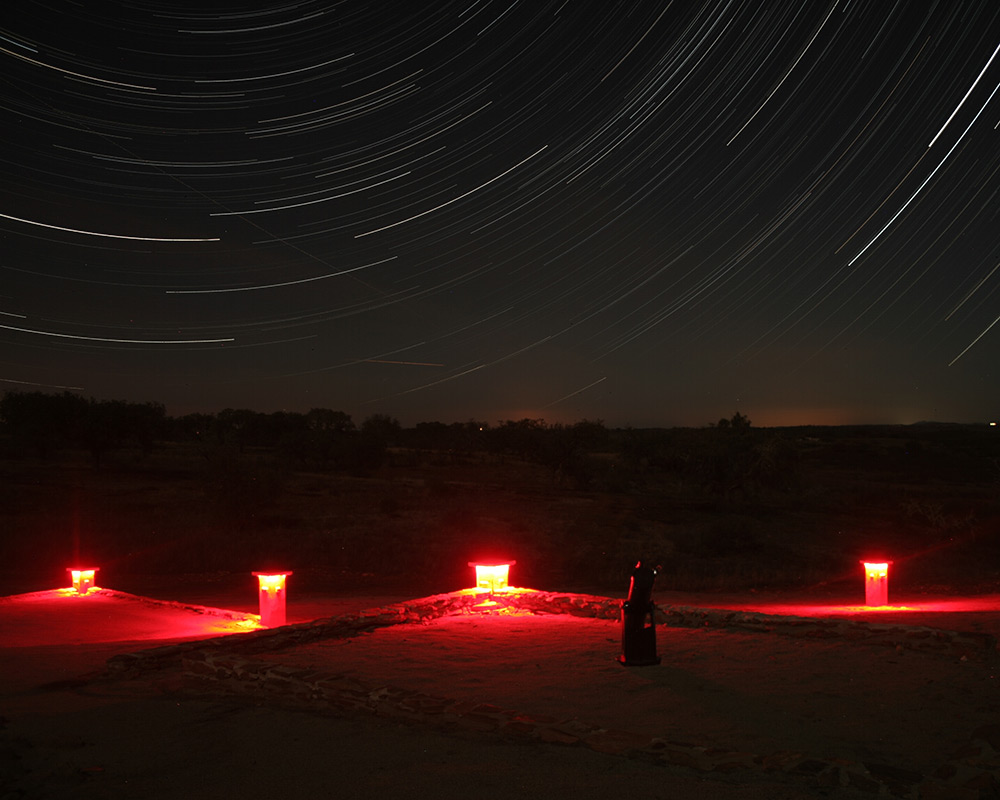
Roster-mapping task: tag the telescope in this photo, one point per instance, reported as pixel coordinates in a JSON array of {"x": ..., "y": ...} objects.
[{"x": 638, "y": 620}]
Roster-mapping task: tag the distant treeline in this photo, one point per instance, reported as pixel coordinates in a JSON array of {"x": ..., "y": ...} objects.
[
  {"x": 726, "y": 457},
  {"x": 733, "y": 457},
  {"x": 43, "y": 424}
]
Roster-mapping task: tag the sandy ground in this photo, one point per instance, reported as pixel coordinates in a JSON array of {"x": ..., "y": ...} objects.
[
  {"x": 69, "y": 731},
  {"x": 725, "y": 689}
]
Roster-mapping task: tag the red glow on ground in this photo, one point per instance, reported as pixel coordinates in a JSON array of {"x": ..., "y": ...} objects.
[
  {"x": 882, "y": 613},
  {"x": 491, "y": 606},
  {"x": 53, "y": 618},
  {"x": 69, "y": 591}
]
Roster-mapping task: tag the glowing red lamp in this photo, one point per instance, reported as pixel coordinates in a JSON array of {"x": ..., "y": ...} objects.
[
  {"x": 491, "y": 577},
  {"x": 272, "y": 598},
  {"x": 876, "y": 583},
  {"x": 82, "y": 578}
]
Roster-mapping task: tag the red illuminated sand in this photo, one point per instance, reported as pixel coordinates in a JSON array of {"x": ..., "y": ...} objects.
[
  {"x": 747, "y": 691},
  {"x": 61, "y": 617},
  {"x": 726, "y": 689},
  {"x": 951, "y": 613}
]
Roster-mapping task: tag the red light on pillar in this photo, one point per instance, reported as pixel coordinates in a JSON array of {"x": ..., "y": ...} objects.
[
  {"x": 876, "y": 583},
  {"x": 491, "y": 577},
  {"x": 272, "y": 598},
  {"x": 82, "y": 578}
]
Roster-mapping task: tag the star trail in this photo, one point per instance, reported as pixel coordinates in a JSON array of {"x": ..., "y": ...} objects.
[{"x": 649, "y": 213}]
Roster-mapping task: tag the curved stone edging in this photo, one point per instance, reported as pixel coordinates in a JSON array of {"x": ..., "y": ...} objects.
[
  {"x": 958, "y": 644},
  {"x": 969, "y": 645},
  {"x": 223, "y": 613}
]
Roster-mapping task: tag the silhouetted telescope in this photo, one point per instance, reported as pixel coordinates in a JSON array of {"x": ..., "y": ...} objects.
[{"x": 638, "y": 622}]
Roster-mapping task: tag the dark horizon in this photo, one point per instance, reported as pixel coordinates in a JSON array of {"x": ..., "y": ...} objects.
[{"x": 406, "y": 423}]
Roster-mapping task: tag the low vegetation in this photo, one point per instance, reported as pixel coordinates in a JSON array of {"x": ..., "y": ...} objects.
[{"x": 722, "y": 507}]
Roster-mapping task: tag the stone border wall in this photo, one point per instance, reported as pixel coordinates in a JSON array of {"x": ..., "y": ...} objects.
[
  {"x": 956, "y": 644},
  {"x": 208, "y": 611},
  {"x": 968, "y": 645}
]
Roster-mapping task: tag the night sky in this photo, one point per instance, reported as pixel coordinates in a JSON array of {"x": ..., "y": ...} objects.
[{"x": 648, "y": 213}]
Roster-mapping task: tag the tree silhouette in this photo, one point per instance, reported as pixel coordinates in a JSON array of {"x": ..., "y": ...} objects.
[
  {"x": 41, "y": 423},
  {"x": 381, "y": 428},
  {"x": 736, "y": 460},
  {"x": 45, "y": 423}
]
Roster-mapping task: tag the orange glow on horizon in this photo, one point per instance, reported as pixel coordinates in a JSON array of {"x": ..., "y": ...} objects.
[{"x": 492, "y": 577}]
